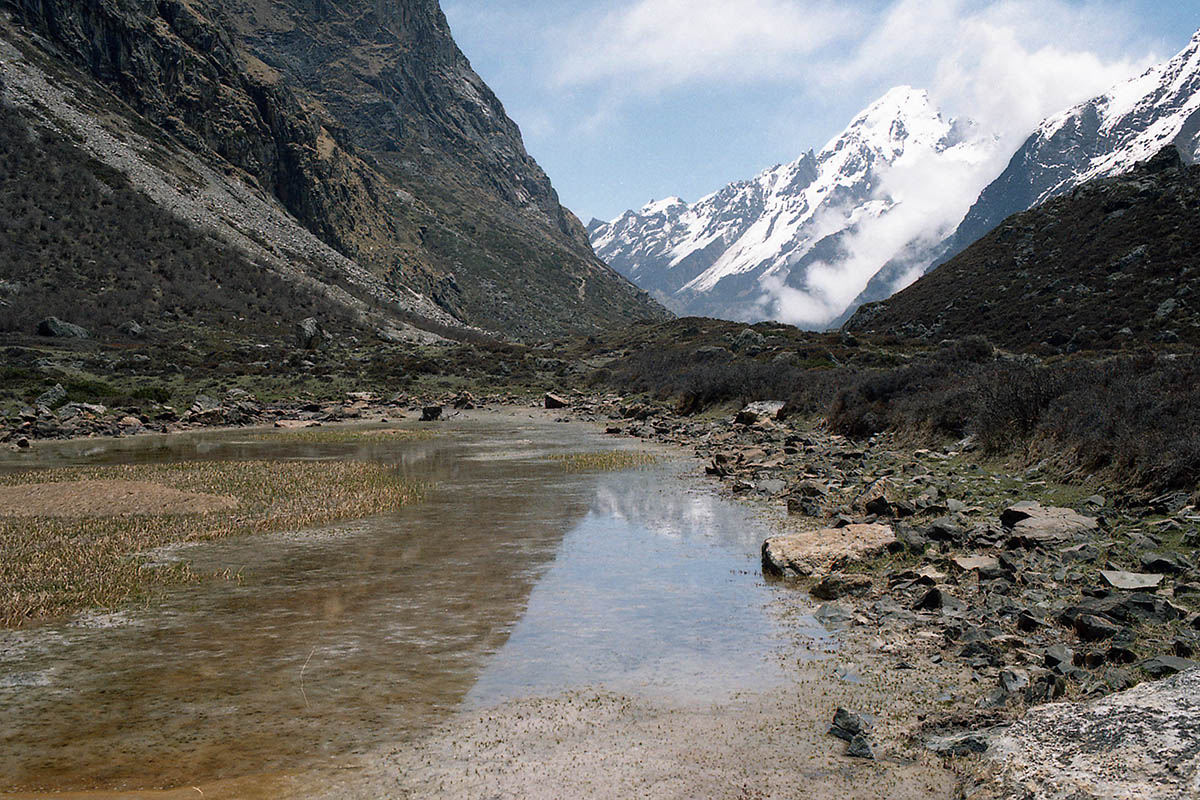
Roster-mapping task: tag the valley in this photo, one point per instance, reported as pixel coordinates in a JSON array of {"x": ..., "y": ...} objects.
[{"x": 339, "y": 459}]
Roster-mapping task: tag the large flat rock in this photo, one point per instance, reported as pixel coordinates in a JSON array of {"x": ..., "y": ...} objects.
[
  {"x": 818, "y": 552},
  {"x": 1143, "y": 743}
]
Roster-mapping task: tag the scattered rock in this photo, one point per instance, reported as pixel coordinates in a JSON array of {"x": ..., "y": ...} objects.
[
  {"x": 553, "y": 401},
  {"x": 1131, "y": 581},
  {"x": 836, "y": 585},
  {"x": 760, "y": 410},
  {"x": 23, "y": 443},
  {"x": 821, "y": 551},
  {"x": 431, "y": 413},
  {"x": 976, "y": 563},
  {"x": 53, "y": 326},
  {"x": 1094, "y": 629}
]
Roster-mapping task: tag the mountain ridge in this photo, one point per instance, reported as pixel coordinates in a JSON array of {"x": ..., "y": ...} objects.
[
  {"x": 362, "y": 121},
  {"x": 738, "y": 250}
]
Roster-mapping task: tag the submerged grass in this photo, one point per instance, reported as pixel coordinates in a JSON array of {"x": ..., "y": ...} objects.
[
  {"x": 611, "y": 460},
  {"x": 343, "y": 436},
  {"x": 52, "y": 566}
]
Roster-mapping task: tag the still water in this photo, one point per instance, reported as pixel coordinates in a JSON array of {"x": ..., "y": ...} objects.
[{"x": 514, "y": 578}]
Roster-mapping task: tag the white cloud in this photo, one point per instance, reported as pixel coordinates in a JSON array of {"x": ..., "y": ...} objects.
[
  {"x": 650, "y": 45},
  {"x": 1000, "y": 64}
]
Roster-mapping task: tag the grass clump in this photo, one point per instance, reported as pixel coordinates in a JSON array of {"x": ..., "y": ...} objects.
[
  {"x": 52, "y": 566},
  {"x": 610, "y": 461}
]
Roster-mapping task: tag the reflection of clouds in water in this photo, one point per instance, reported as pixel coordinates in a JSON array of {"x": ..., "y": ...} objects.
[
  {"x": 659, "y": 502},
  {"x": 656, "y": 590}
]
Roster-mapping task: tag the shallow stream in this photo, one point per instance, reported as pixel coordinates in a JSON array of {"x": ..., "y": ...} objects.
[{"x": 516, "y": 577}]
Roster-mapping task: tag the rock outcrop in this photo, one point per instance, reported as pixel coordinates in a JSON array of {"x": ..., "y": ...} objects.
[{"x": 1144, "y": 742}]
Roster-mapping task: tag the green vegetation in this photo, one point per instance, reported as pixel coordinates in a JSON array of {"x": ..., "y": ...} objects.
[{"x": 54, "y": 565}]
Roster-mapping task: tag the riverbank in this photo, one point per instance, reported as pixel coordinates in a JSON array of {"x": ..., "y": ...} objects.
[{"x": 967, "y": 621}]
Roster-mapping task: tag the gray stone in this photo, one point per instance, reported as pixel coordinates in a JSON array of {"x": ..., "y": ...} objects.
[
  {"x": 553, "y": 401},
  {"x": 849, "y": 724},
  {"x": 309, "y": 334},
  {"x": 53, "y": 326},
  {"x": 860, "y": 747},
  {"x": 1138, "y": 743},
  {"x": 1162, "y": 666},
  {"x": 837, "y": 585},
  {"x": 1131, "y": 581},
  {"x": 960, "y": 744},
  {"x": 52, "y": 397}
]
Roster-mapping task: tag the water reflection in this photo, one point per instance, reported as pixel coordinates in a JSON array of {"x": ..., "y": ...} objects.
[{"x": 514, "y": 577}]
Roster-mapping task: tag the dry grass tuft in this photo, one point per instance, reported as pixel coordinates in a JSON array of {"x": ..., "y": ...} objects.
[
  {"x": 611, "y": 460},
  {"x": 343, "y": 436},
  {"x": 51, "y": 566}
]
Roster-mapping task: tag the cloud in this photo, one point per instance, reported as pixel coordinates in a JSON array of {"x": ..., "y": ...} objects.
[
  {"x": 1001, "y": 65},
  {"x": 652, "y": 45}
]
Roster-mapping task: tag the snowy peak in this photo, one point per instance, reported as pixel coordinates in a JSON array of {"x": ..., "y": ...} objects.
[
  {"x": 730, "y": 253},
  {"x": 655, "y": 207},
  {"x": 1101, "y": 137},
  {"x": 902, "y": 116}
]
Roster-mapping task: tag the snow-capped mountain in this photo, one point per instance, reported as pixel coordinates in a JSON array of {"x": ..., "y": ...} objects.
[
  {"x": 801, "y": 240},
  {"x": 1101, "y": 137}
]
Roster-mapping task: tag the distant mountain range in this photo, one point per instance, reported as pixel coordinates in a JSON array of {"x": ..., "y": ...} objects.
[{"x": 789, "y": 245}]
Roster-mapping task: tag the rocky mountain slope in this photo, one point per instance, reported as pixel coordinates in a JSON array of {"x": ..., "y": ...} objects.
[
  {"x": 1112, "y": 263},
  {"x": 789, "y": 244},
  {"x": 1103, "y": 136},
  {"x": 348, "y": 146}
]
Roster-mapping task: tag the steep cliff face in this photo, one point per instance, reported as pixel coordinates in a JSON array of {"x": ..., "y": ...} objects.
[{"x": 367, "y": 124}]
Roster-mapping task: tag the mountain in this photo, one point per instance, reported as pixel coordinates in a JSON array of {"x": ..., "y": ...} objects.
[
  {"x": 1107, "y": 265},
  {"x": 348, "y": 147},
  {"x": 799, "y": 241},
  {"x": 1103, "y": 136}
]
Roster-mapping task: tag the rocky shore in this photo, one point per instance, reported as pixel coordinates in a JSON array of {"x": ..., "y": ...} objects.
[{"x": 1038, "y": 591}]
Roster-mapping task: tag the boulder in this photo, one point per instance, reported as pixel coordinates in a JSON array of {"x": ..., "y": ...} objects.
[
  {"x": 554, "y": 401},
  {"x": 760, "y": 410},
  {"x": 431, "y": 413},
  {"x": 132, "y": 329},
  {"x": 1033, "y": 525},
  {"x": 53, "y": 326},
  {"x": 52, "y": 397},
  {"x": 309, "y": 334},
  {"x": 1138, "y": 743},
  {"x": 818, "y": 552}
]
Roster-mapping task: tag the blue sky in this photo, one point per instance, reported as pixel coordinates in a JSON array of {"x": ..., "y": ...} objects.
[{"x": 625, "y": 101}]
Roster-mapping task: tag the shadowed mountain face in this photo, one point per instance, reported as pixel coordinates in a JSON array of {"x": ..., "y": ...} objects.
[
  {"x": 1109, "y": 265},
  {"x": 361, "y": 120}
]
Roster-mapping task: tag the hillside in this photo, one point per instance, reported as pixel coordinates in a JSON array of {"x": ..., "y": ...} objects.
[
  {"x": 351, "y": 145},
  {"x": 1109, "y": 265}
]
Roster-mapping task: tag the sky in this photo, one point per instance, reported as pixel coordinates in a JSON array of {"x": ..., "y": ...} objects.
[{"x": 627, "y": 101}]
